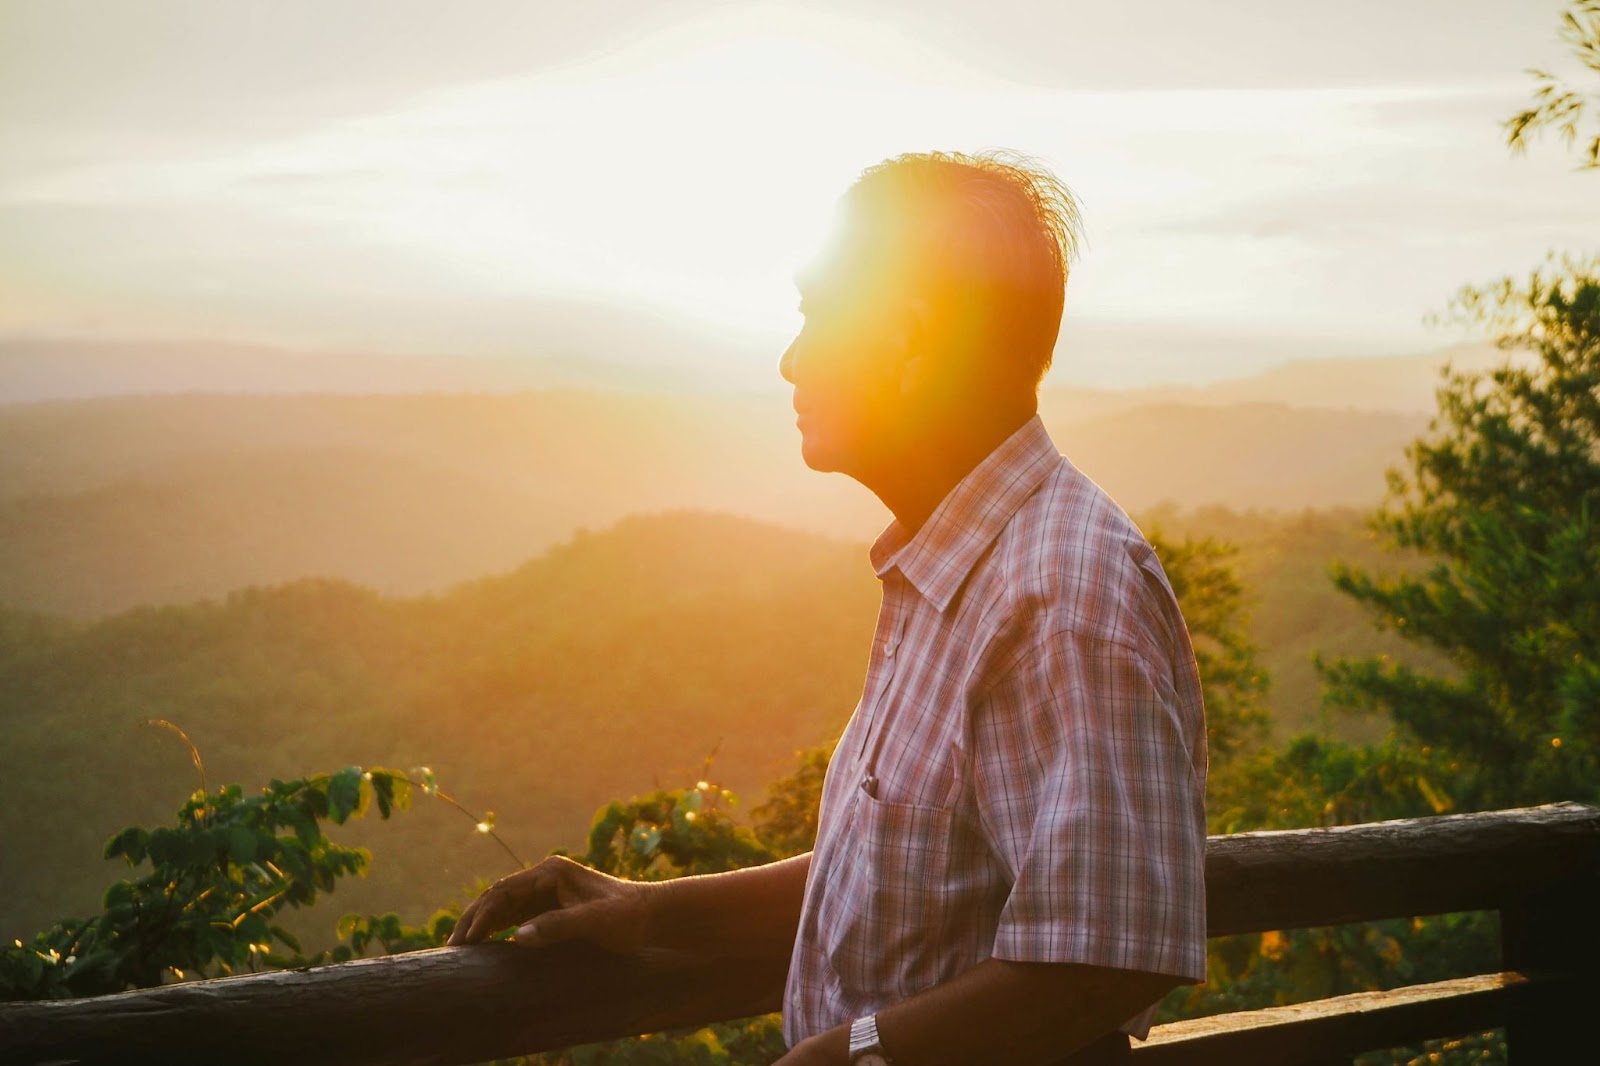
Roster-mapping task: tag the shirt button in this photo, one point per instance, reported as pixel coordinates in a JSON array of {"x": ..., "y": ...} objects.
[{"x": 888, "y": 649}]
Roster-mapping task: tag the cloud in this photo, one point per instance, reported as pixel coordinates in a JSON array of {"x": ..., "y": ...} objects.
[{"x": 689, "y": 162}]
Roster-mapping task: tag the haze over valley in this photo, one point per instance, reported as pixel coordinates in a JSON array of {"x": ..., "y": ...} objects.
[
  {"x": 481, "y": 578},
  {"x": 105, "y": 500}
]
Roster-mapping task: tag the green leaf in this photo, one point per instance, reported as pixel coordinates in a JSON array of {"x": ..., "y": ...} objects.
[
  {"x": 97, "y": 961},
  {"x": 130, "y": 844},
  {"x": 441, "y": 925},
  {"x": 344, "y": 793},
  {"x": 252, "y": 929},
  {"x": 392, "y": 791},
  {"x": 240, "y": 843},
  {"x": 305, "y": 826},
  {"x": 165, "y": 846}
]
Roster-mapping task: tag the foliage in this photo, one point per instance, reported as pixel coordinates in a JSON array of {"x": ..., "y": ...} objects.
[
  {"x": 752, "y": 1042},
  {"x": 391, "y": 934},
  {"x": 1234, "y": 682},
  {"x": 1213, "y": 605},
  {"x": 1319, "y": 782},
  {"x": 1293, "y": 611},
  {"x": 1314, "y": 781},
  {"x": 217, "y": 880},
  {"x": 614, "y": 661},
  {"x": 786, "y": 821},
  {"x": 1557, "y": 105},
  {"x": 1504, "y": 497},
  {"x": 1472, "y": 1049},
  {"x": 673, "y": 833},
  {"x": 1250, "y": 971},
  {"x": 486, "y": 681}
]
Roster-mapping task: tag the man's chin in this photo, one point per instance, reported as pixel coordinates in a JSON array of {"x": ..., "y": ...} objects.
[{"x": 817, "y": 457}]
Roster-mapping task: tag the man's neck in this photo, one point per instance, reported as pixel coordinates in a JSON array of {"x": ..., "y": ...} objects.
[{"x": 926, "y": 473}]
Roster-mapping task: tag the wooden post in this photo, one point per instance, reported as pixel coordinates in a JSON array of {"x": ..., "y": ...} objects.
[{"x": 1552, "y": 933}]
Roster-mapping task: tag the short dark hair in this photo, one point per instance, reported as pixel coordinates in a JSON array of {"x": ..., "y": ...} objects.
[{"x": 988, "y": 237}]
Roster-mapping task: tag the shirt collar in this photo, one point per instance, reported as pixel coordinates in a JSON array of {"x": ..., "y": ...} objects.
[{"x": 969, "y": 519}]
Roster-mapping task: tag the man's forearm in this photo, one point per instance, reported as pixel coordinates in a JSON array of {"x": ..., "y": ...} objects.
[
  {"x": 999, "y": 1011},
  {"x": 747, "y": 914}
]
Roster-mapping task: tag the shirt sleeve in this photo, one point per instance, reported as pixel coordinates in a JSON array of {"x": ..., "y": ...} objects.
[{"x": 1089, "y": 776}]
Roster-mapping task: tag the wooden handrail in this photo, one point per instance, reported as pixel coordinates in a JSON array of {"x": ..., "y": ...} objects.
[
  {"x": 458, "y": 1005},
  {"x": 444, "y": 1005},
  {"x": 1298, "y": 878},
  {"x": 1340, "y": 1025}
]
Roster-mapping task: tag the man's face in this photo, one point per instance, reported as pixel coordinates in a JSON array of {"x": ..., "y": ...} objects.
[{"x": 846, "y": 368}]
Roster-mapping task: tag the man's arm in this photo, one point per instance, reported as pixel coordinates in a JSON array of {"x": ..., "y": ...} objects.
[
  {"x": 744, "y": 914},
  {"x": 999, "y": 1011}
]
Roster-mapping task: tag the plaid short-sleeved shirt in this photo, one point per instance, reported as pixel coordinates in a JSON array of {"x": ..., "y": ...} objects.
[{"x": 1024, "y": 776}]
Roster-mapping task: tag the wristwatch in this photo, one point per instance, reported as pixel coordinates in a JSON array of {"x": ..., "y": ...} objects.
[{"x": 865, "y": 1049}]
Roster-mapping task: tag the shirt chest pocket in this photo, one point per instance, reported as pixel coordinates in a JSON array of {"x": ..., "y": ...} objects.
[{"x": 891, "y": 904}]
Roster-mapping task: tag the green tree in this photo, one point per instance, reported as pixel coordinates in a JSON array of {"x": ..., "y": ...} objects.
[
  {"x": 216, "y": 881},
  {"x": 1214, "y": 607},
  {"x": 1503, "y": 497},
  {"x": 1556, "y": 104},
  {"x": 786, "y": 821}
]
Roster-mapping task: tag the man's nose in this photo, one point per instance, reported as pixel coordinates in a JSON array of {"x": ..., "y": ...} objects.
[{"x": 786, "y": 364}]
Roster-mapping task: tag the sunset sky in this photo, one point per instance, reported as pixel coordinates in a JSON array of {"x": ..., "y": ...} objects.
[{"x": 1262, "y": 179}]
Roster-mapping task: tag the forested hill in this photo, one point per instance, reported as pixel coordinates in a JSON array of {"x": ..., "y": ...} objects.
[
  {"x": 110, "y": 503},
  {"x": 616, "y": 660}
]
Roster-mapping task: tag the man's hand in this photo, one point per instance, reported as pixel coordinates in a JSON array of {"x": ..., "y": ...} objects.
[
  {"x": 562, "y": 900},
  {"x": 831, "y": 1048}
]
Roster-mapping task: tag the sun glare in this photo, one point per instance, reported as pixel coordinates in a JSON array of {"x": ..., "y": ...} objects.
[
  {"x": 685, "y": 175},
  {"x": 636, "y": 176}
]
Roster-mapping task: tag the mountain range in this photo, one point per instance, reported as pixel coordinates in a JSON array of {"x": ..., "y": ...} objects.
[{"x": 108, "y": 502}]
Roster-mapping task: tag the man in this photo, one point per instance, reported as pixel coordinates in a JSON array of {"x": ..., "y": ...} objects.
[{"x": 1010, "y": 852}]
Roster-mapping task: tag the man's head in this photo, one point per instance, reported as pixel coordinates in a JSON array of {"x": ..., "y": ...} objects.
[{"x": 938, "y": 299}]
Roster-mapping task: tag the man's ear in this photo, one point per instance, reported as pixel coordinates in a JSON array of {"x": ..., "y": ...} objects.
[{"x": 920, "y": 363}]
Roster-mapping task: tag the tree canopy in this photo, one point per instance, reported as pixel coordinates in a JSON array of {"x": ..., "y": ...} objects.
[
  {"x": 1556, "y": 104},
  {"x": 1503, "y": 496},
  {"x": 1503, "y": 499}
]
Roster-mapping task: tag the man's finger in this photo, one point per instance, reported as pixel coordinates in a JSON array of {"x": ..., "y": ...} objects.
[
  {"x": 496, "y": 913},
  {"x": 506, "y": 902},
  {"x": 567, "y": 923},
  {"x": 458, "y": 935},
  {"x": 488, "y": 915}
]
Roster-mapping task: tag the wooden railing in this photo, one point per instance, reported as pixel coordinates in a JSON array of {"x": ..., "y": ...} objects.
[{"x": 1539, "y": 867}]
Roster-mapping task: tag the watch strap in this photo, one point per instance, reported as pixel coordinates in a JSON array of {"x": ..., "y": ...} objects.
[{"x": 864, "y": 1038}]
